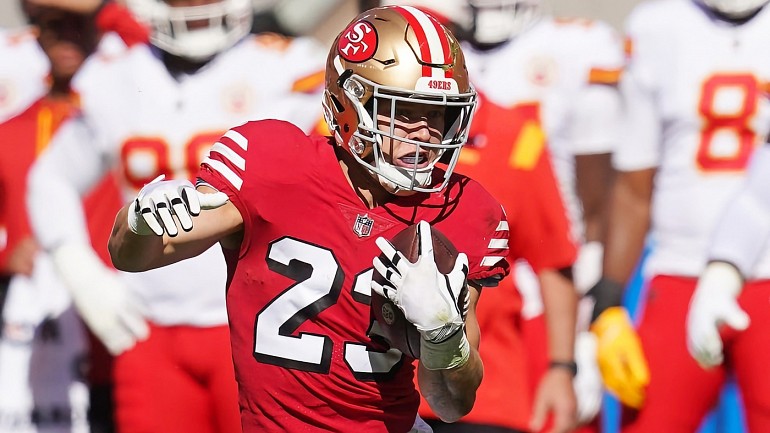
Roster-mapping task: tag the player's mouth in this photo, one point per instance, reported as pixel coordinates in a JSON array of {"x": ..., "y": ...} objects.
[{"x": 413, "y": 160}]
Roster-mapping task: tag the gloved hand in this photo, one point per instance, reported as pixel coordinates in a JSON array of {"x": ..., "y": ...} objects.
[
  {"x": 620, "y": 357},
  {"x": 152, "y": 210},
  {"x": 588, "y": 381},
  {"x": 430, "y": 300},
  {"x": 713, "y": 304},
  {"x": 102, "y": 300}
]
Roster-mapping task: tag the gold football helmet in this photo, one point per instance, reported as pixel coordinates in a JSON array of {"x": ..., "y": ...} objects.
[{"x": 396, "y": 55}]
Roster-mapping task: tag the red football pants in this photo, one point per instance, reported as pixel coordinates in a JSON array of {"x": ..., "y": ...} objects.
[
  {"x": 681, "y": 393},
  {"x": 180, "y": 380}
]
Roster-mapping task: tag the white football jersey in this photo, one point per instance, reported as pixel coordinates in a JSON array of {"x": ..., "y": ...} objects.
[
  {"x": 23, "y": 68},
  {"x": 568, "y": 68},
  {"x": 696, "y": 112},
  {"x": 141, "y": 122}
]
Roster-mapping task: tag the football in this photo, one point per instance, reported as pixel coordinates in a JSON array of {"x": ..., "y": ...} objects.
[{"x": 399, "y": 332}]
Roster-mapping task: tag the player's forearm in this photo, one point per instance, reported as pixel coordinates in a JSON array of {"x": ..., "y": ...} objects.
[
  {"x": 560, "y": 304},
  {"x": 629, "y": 221},
  {"x": 594, "y": 176},
  {"x": 451, "y": 393},
  {"x": 131, "y": 252}
]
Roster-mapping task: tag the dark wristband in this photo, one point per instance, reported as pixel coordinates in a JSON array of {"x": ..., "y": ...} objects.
[
  {"x": 570, "y": 366},
  {"x": 606, "y": 294}
]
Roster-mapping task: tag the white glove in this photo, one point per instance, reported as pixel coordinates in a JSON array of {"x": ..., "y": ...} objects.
[
  {"x": 588, "y": 385},
  {"x": 713, "y": 304},
  {"x": 429, "y": 299},
  {"x": 103, "y": 301},
  {"x": 155, "y": 204}
]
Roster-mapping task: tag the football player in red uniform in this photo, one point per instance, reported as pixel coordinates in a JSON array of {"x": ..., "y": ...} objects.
[{"x": 300, "y": 219}]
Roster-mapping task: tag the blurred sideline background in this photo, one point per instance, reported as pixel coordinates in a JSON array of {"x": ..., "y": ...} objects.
[
  {"x": 339, "y": 12},
  {"x": 336, "y": 13}
]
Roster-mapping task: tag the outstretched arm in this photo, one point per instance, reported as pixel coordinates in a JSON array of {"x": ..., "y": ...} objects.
[
  {"x": 68, "y": 168},
  {"x": 171, "y": 221}
]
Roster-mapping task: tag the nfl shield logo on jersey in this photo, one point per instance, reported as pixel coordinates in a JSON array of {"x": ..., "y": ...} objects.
[{"x": 363, "y": 225}]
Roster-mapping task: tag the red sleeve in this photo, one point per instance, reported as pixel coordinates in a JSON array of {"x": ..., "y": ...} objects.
[
  {"x": 114, "y": 17},
  {"x": 492, "y": 263},
  {"x": 540, "y": 229},
  {"x": 477, "y": 225}
]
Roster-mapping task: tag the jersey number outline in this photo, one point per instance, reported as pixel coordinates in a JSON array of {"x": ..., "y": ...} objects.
[
  {"x": 319, "y": 281},
  {"x": 160, "y": 153},
  {"x": 737, "y": 123}
]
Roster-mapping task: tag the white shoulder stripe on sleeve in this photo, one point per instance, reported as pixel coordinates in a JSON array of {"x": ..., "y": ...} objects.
[
  {"x": 239, "y": 139},
  {"x": 229, "y": 154},
  {"x": 225, "y": 171},
  {"x": 490, "y": 260},
  {"x": 498, "y": 243}
]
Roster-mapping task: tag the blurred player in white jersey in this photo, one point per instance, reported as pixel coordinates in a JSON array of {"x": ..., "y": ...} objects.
[
  {"x": 696, "y": 112},
  {"x": 554, "y": 83},
  {"x": 43, "y": 347},
  {"x": 154, "y": 111}
]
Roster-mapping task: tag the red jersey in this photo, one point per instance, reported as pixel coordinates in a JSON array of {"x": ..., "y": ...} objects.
[
  {"x": 299, "y": 288},
  {"x": 26, "y": 135},
  {"x": 507, "y": 153}
]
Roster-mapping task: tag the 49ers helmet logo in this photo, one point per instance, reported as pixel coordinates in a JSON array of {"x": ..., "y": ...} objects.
[{"x": 358, "y": 42}]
